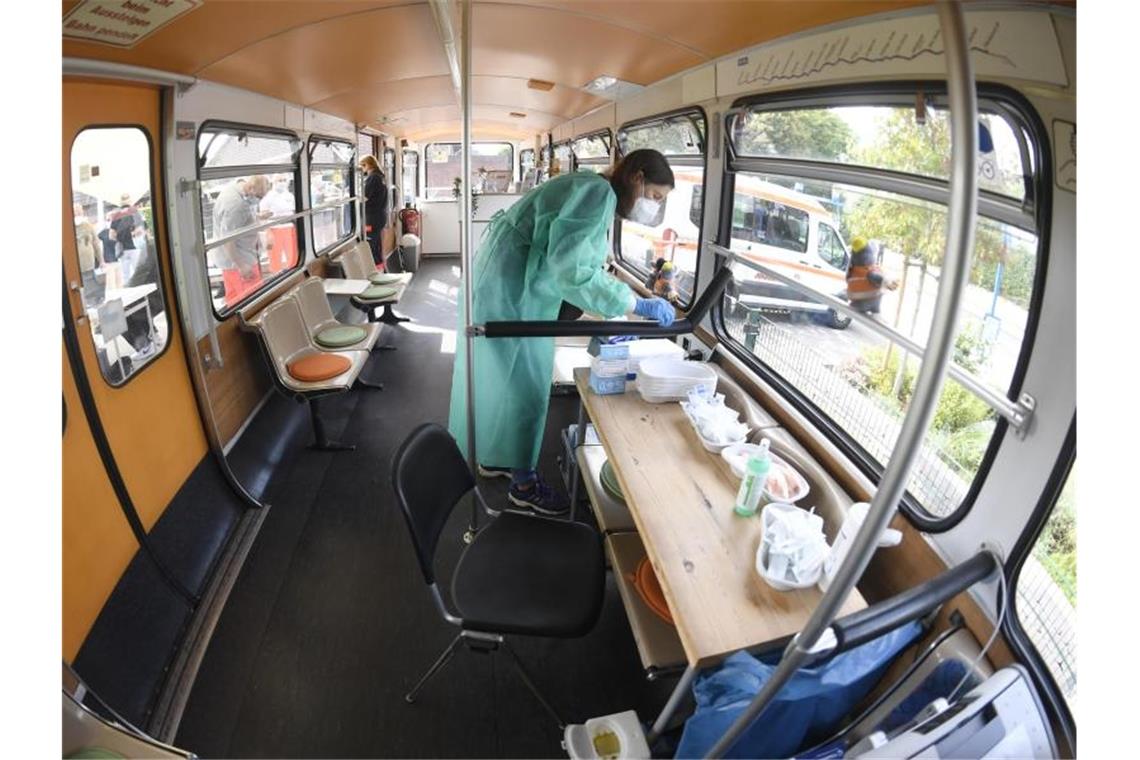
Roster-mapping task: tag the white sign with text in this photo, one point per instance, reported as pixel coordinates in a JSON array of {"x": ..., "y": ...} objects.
[{"x": 122, "y": 23}]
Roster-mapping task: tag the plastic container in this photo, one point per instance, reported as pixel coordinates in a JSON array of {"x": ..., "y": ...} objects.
[
  {"x": 737, "y": 455},
  {"x": 610, "y": 737},
  {"x": 810, "y": 574},
  {"x": 663, "y": 378},
  {"x": 851, "y": 525},
  {"x": 752, "y": 486}
]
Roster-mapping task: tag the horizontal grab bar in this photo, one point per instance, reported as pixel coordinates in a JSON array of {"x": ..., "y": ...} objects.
[
  {"x": 912, "y": 604},
  {"x": 1017, "y": 414},
  {"x": 590, "y": 328}
]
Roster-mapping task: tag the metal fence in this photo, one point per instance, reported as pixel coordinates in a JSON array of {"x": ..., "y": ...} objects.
[
  {"x": 1050, "y": 620},
  {"x": 937, "y": 481}
]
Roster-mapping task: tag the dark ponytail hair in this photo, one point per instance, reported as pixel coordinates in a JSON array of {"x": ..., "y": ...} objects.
[{"x": 652, "y": 167}]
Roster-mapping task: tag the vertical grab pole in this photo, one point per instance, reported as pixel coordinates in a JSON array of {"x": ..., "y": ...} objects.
[
  {"x": 959, "y": 243},
  {"x": 468, "y": 256}
]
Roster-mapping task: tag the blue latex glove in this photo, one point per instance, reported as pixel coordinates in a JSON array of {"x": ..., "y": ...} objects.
[{"x": 655, "y": 308}]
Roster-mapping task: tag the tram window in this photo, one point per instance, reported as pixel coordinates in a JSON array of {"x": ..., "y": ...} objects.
[
  {"x": 390, "y": 165},
  {"x": 248, "y": 180},
  {"x": 331, "y": 190},
  {"x": 884, "y": 137},
  {"x": 563, "y": 158},
  {"x": 1046, "y": 595},
  {"x": 526, "y": 161},
  {"x": 592, "y": 152},
  {"x": 492, "y": 168},
  {"x": 677, "y": 236},
  {"x": 366, "y": 144},
  {"x": 120, "y": 279},
  {"x": 411, "y": 175},
  {"x": 857, "y": 380}
]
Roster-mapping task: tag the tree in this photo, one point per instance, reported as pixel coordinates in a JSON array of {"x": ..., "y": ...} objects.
[
  {"x": 916, "y": 228},
  {"x": 814, "y": 133}
]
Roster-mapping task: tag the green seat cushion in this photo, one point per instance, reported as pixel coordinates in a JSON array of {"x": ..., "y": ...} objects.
[
  {"x": 378, "y": 293},
  {"x": 383, "y": 278},
  {"x": 341, "y": 336}
]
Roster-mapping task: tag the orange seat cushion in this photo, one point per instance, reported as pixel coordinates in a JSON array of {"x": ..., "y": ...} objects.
[
  {"x": 649, "y": 589},
  {"x": 316, "y": 367}
]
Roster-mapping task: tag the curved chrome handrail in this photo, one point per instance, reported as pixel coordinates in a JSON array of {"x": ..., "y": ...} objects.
[{"x": 817, "y": 636}]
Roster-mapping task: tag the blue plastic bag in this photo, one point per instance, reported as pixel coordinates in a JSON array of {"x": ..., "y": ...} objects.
[{"x": 810, "y": 705}]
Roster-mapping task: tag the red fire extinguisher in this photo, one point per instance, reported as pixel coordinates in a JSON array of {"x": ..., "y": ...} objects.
[{"x": 410, "y": 220}]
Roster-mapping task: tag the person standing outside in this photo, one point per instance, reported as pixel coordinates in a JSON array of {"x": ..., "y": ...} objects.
[
  {"x": 240, "y": 258},
  {"x": 279, "y": 202},
  {"x": 375, "y": 206},
  {"x": 549, "y": 247},
  {"x": 865, "y": 278},
  {"x": 87, "y": 246}
]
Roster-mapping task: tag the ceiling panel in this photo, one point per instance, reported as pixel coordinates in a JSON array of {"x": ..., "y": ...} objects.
[
  {"x": 567, "y": 102},
  {"x": 713, "y": 28},
  {"x": 370, "y": 102},
  {"x": 217, "y": 29},
  {"x": 568, "y": 49},
  {"x": 318, "y": 61}
]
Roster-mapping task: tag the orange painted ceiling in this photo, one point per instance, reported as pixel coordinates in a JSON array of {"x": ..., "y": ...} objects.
[{"x": 381, "y": 62}]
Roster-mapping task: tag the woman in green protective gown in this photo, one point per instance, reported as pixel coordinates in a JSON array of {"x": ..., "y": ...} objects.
[{"x": 548, "y": 248}]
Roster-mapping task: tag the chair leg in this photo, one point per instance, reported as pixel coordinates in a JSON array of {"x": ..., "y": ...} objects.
[
  {"x": 530, "y": 685},
  {"x": 360, "y": 382},
  {"x": 442, "y": 660},
  {"x": 322, "y": 442},
  {"x": 389, "y": 317}
]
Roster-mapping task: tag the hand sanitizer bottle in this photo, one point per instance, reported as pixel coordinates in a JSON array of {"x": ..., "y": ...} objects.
[{"x": 752, "y": 486}]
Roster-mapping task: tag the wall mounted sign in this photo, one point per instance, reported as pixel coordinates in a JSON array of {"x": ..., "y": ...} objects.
[{"x": 122, "y": 23}]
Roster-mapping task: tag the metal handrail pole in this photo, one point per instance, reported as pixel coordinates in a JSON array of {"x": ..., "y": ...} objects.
[
  {"x": 959, "y": 244},
  {"x": 469, "y": 338}
]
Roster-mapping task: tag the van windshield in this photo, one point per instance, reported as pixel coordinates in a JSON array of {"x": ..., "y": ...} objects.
[{"x": 759, "y": 220}]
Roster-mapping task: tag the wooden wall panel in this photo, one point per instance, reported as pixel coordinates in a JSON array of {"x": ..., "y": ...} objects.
[{"x": 237, "y": 388}]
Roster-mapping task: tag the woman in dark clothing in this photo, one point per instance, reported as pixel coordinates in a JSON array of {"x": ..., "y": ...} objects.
[{"x": 375, "y": 205}]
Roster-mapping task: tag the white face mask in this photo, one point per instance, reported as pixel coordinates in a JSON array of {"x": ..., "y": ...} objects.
[{"x": 645, "y": 211}]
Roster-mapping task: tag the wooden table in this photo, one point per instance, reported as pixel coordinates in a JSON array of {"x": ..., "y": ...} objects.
[{"x": 681, "y": 498}]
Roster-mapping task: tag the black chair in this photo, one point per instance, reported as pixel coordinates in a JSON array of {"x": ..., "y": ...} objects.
[{"x": 522, "y": 574}]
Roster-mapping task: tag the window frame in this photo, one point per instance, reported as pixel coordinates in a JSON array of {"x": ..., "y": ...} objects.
[
  {"x": 1038, "y": 203},
  {"x": 230, "y": 172},
  {"x": 685, "y": 160},
  {"x": 404, "y": 170},
  {"x": 310, "y": 144},
  {"x": 427, "y": 146},
  {"x": 158, "y": 263},
  {"x": 1015, "y": 634}
]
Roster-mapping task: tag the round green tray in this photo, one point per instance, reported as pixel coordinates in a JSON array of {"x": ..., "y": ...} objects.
[{"x": 610, "y": 482}]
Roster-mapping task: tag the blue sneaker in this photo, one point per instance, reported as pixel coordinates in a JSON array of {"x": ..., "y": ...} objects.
[{"x": 539, "y": 497}]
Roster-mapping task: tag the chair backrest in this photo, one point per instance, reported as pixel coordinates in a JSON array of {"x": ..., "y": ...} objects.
[
  {"x": 284, "y": 331},
  {"x": 315, "y": 309},
  {"x": 357, "y": 262},
  {"x": 430, "y": 476}
]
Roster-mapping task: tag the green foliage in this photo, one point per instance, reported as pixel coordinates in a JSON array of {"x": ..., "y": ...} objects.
[
  {"x": 968, "y": 445},
  {"x": 1016, "y": 277},
  {"x": 817, "y": 134},
  {"x": 914, "y": 228},
  {"x": 970, "y": 351},
  {"x": 1056, "y": 547},
  {"x": 957, "y": 409}
]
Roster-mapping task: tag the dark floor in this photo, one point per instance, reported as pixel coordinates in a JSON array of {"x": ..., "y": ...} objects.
[{"x": 330, "y": 621}]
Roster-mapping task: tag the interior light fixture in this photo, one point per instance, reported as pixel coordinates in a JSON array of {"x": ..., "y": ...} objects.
[
  {"x": 518, "y": 115},
  {"x": 540, "y": 84},
  {"x": 604, "y": 82}
]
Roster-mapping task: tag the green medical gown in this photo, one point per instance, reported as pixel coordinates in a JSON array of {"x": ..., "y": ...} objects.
[{"x": 548, "y": 248}]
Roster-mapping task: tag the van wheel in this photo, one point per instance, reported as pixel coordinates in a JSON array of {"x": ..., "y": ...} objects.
[{"x": 837, "y": 321}]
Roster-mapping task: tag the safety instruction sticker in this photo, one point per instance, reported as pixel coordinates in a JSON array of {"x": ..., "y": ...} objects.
[{"x": 122, "y": 23}]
